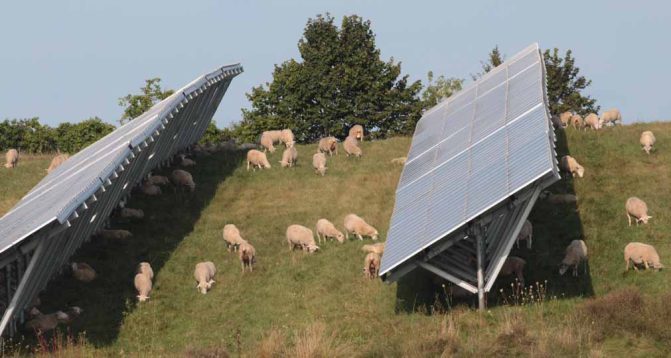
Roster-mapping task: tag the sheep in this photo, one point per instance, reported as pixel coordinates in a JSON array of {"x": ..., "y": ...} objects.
[
  {"x": 72, "y": 313},
  {"x": 289, "y": 157},
  {"x": 11, "y": 158},
  {"x": 569, "y": 164},
  {"x": 114, "y": 234},
  {"x": 182, "y": 178},
  {"x": 371, "y": 265},
  {"x": 356, "y": 132},
  {"x": 247, "y": 255},
  {"x": 647, "y": 141},
  {"x": 267, "y": 142},
  {"x": 557, "y": 199},
  {"x": 158, "y": 180},
  {"x": 514, "y": 265},
  {"x": 46, "y": 322},
  {"x": 204, "y": 275},
  {"x": 143, "y": 286},
  {"x": 326, "y": 229},
  {"x": 565, "y": 118},
  {"x": 145, "y": 268},
  {"x": 131, "y": 213},
  {"x": 611, "y": 116},
  {"x": 399, "y": 160},
  {"x": 592, "y": 121},
  {"x": 186, "y": 162},
  {"x": 298, "y": 235},
  {"x": 637, "y": 209},
  {"x": 328, "y": 145},
  {"x": 376, "y": 248},
  {"x": 319, "y": 163},
  {"x": 150, "y": 189},
  {"x": 257, "y": 159},
  {"x": 641, "y": 254},
  {"x": 351, "y": 147},
  {"x": 526, "y": 234},
  {"x": 232, "y": 237},
  {"x": 287, "y": 137},
  {"x": 83, "y": 272},
  {"x": 359, "y": 227},
  {"x": 576, "y": 121},
  {"x": 576, "y": 252},
  {"x": 56, "y": 162}
]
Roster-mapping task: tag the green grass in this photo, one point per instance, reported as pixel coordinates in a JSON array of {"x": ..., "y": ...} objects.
[
  {"x": 18, "y": 181},
  {"x": 292, "y": 300}
]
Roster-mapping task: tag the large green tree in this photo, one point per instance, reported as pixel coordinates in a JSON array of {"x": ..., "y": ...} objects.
[
  {"x": 136, "y": 104},
  {"x": 565, "y": 84},
  {"x": 440, "y": 89},
  {"x": 340, "y": 80},
  {"x": 494, "y": 59}
]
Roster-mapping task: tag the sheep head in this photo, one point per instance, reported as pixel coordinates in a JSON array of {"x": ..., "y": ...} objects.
[
  {"x": 563, "y": 268},
  {"x": 580, "y": 170},
  {"x": 644, "y": 219},
  {"x": 142, "y": 298}
]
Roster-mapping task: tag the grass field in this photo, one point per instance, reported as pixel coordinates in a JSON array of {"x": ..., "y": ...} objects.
[{"x": 295, "y": 304}]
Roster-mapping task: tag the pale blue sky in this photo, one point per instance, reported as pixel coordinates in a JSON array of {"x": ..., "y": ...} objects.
[{"x": 70, "y": 60}]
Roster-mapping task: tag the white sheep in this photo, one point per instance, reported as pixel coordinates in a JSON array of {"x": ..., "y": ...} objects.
[
  {"x": 11, "y": 158},
  {"x": 56, "y": 162},
  {"x": 526, "y": 234},
  {"x": 182, "y": 179},
  {"x": 641, "y": 254},
  {"x": 647, "y": 141},
  {"x": 158, "y": 180},
  {"x": 186, "y": 162},
  {"x": 247, "y": 255},
  {"x": 576, "y": 252},
  {"x": 377, "y": 248},
  {"x": 371, "y": 265},
  {"x": 592, "y": 121},
  {"x": 204, "y": 275},
  {"x": 565, "y": 118},
  {"x": 289, "y": 157},
  {"x": 131, "y": 213},
  {"x": 72, "y": 313},
  {"x": 328, "y": 145},
  {"x": 611, "y": 116},
  {"x": 83, "y": 272},
  {"x": 287, "y": 137},
  {"x": 257, "y": 159},
  {"x": 150, "y": 189},
  {"x": 319, "y": 163},
  {"x": 558, "y": 199},
  {"x": 514, "y": 265},
  {"x": 114, "y": 234},
  {"x": 399, "y": 160},
  {"x": 267, "y": 141},
  {"x": 569, "y": 164},
  {"x": 298, "y": 235},
  {"x": 576, "y": 121},
  {"x": 356, "y": 132},
  {"x": 326, "y": 229},
  {"x": 637, "y": 209},
  {"x": 46, "y": 322},
  {"x": 145, "y": 268},
  {"x": 143, "y": 286},
  {"x": 352, "y": 147},
  {"x": 232, "y": 237},
  {"x": 359, "y": 227}
]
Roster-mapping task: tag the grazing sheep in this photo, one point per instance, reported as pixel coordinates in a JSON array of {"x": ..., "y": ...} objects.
[
  {"x": 569, "y": 164},
  {"x": 526, "y": 234},
  {"x": 399, "y": 160},
  {"x": 638, "y": 209},
  {"x": 328, "y": 145},
  {"x": 289, "y": 157},
  {"x": 182, "y": 179},
  {"x": 287, "y": 137},
  {"x": 558, "y": 199},
  {"x": 158, "y": 180},
  {"x": 232, "y": 237},
  {"x": 257, "y": 159},
  {"x": 514, "y": 265},
  {"x": 186, "y": 162},
  {"x": 46, "y": 322},
  {"x": 267, "y": 141},
  {"x": 576, "y": 121},
  {"x": 356, "y": 132},
  {"x": 132, "y": 213},
  {"x": 114, "y": 234},
  {"x": 204, "y": 275},
  {"x": 611, "y": 116},
  {"x": 247, "y": 256},
  {"x": 56, "y": 162},
  {"x": 145, "y": 268},
  {"x": 647, "y": 141},
  {"x": 143, "y": 286},
  {"x": 298, "y": 235},
  {"x": 83, "y": 272},
  {"x": 11, "y": 158},
  {"x": 150, "y": 189},
  {"x": 376, "y": 248},
  {"x": 371, "y": 265},
  {"x": 319, "y": 163},
  {"x": 326, "y": 229},
  {"x": 576, "y": 252},
  {"x": 359, "y": 227},
  {"x": 641, "y": 254},
  {"x": 565, "y": 118},
  {"x": 592, "y": 121},
  {"x": 352, "y": 147}
]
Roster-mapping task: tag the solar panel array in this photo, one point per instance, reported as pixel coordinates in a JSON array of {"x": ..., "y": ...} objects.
[{"x": 469, "y": 153}]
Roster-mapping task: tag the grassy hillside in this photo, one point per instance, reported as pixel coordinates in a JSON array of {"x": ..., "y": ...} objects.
[{"x": 295, "y": 304}]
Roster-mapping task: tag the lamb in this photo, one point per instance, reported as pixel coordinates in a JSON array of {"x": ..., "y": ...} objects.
[
  {"x": 371, "y": 265},
  {"x": 558, "y": 199},
  {"x": 376, "y": 248},
  {"x": 204, "y": 275},
  {"x": 287, "y": 137},
  {"x": 526, "y": 234},
  {"x": 399, "y": 160},
  {"x": 328, "y": 145},
  {"x": 647, "y": 141},
  {"x": 289, "y": 157},
  {"x": 132, "y": 213},
  {"x": 11, "y": 158},
  {"x": 143, "y": 286},
  {"x": 576, "y": 121},
  {"x": 158, "y": 180},
  {"x": 247, "y": 255},
  {"x": 611, "y": 116},
  {"x": 182, "y": 179},
  {"x": 576, "y": 252},
  {"x": 641, "y": 254},
  {"x": 356, "y": 132},
  {"x": 232, "y": 237},
  {"x": 57, "y": 161},
  {"x": 359, "y": 227},
  {"x": 46, "y": 322},
  {"x": 83, "y": 272},
  {"x": 514, "y": 265},
  {"x": 569, "y": 164},
  {"x": 326, "y": 229},
  {"x": 298, "y": 235},
  {"x": 637, "y": 209},
  {"x": 592, "y": 121},
  {"x": 145, "y": 268},
  {"x": 319, "y": 163},
  {"x": 267, "y": 141},
  {"x": 257, "y": 159},
  {"x": 351, "y": 147},
  {"x": 114, "y": 234},
  {"x": 564, "y": 118},
  {"x": 150, "y": 189}
]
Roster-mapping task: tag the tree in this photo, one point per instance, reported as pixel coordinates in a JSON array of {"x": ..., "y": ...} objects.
[
  {"x": 439, "y": 90},
  {"x": 71, "y": 138},
  {"x": 494, "y": 59},
  {"x": 564, "y": 85},
  {"x": 340, "y": 80},
  {"x": 136, "y": 104}
]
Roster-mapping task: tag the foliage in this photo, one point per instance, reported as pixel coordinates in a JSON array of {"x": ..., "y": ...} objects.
[
  {"x": 494, "y": 59},
  {"x": 440, "y": 89},
  {"x": 71, "y": 138},
  {"x": 564, "y": 85},
  {"x": 339, "y": 81},
  {"x": 212, "y": 134},
  {"x": 136, "y": 104}
]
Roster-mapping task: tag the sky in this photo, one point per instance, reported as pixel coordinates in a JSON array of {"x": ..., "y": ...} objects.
[{"x": 71, "y": 60}]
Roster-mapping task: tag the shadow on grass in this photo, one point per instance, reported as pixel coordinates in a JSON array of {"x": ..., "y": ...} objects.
[
  {"x": 168, "y": 219},
  {"x": 555, "y": 226}
]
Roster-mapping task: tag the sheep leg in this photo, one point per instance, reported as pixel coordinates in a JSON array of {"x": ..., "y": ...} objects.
[
  {"x": 645, "y": 263},
  {"x": 626, "y": 268},
  {"x": 248, "y": 165},
  {"x": 242, "y": 262},
  {"x": 629, "y": 218},
  {"x": 359, "y": 236},
  {"x": 346, "y": 235}
]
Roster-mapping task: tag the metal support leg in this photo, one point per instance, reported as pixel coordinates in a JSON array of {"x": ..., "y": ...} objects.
[{"x": 480, "y": 248}]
